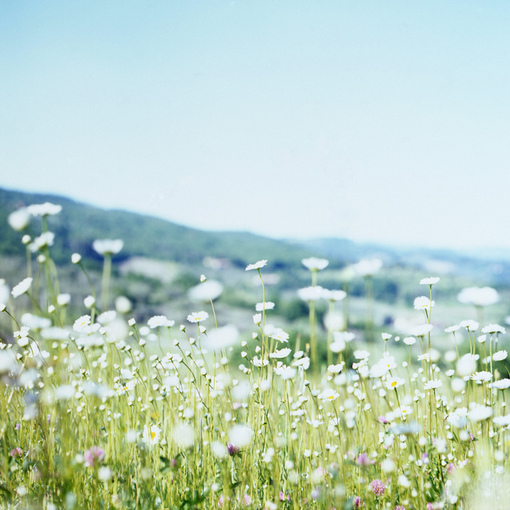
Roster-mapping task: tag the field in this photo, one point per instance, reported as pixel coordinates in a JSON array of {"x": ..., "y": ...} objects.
[{"x": 106, "y": 405}]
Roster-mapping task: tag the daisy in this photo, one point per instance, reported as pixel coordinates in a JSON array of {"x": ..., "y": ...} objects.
[
  {"x": 160, "y": 321},
  {"x": 432, "y": 280},
  {"x": 315, "y": 264},
  {"x": 197, "y": 316},
  {"x": 108, "y": 246},
  {"x": 151, "y": 434},
  {"x": 22, "y": 287},
  {"x": 258, "y": 265}
]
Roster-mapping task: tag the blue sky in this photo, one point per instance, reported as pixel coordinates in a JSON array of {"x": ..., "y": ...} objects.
[{"x": 385, "y": 121}]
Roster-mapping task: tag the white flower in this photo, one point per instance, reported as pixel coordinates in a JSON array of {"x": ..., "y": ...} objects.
[
  {"x": 315, "y": 264},
  {"x": 198, "y": 316},
  {"x": 258, "y": 265},
  {"x": 81, "y": 323},
  {"x": 260, "y": 362},
  {"x": 478, "y": 296},
  {"x": 311, "y": 293},
  {"x": 22, "y": 287},
  {"x": 282, "y": 353},
  {"x": 8, "y": 361},
  {"x": 268, "y": 305},
  {"x": 257, "y": 318},
  {"x": 403, "y": 481},
  {"x": 368, "y": 267},
  {"x": 328, "y": 394},
  {"x": 409, "y": 340},
  {"x": 432, "y": 280},
  {"x": 433, "y": 384},
  {"x": 122, "y": 304},
  {"x": 494, "y": 328},
  {"x": 75, "y": 258},
  {"x": 422, "y": 330},
  {"x": 151, "y": 434},
  {"x": 302, "y": 363},
  {"x": 423, "y": 303},
  {"x": 108, "y": 246},
  {"x": 479, "y": 413},
  {"x": 336, "y": 369},
  {"x": 206, "y": 291},
  {"x": 183, "y": 436},
  {"x": 285, "y": 372},
  {"x": 45, "y": 239},
  {"x": 361, "y": 354},
  {"x": 222, "y": 338},
  {"x": 89, "y": 301},
  {"x": 502, "y": 384},
  {"x": 333, "y": 295},
  {"x": 240, "y": 435},
  {"x": 63, "y": 299},
  {"x": 337, "y": 346},
  {"x": 466, "y": 365},
  {"x": 452, "y": 329},
  {"x": 19, "y": 220},
  {"x": 500, "y": 355},
  {"x": 34, "y": 321},
  {"x": 394, "y": 382},
  {"x": 482, "y": 376},
  {"x": 219, "y": 450},
  {"x": 104, "y": 474},
  {"x": 159, "y": 321},
  {"x": 470, "y": 325},
  {"x": 502, "y": 421},
  {"x": 46, "y": 209}
]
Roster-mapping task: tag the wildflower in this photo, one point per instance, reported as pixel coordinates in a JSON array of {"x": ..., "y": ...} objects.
[
  {"x": 197, "y": 316},
  {"x": 315, "y": 264},
  {"x": 432, "y": 280},
  {"x": 336, "y": 369},
  {"x": 22, "y": 287},
  {"x": 258, "y": 265},
  {"x": 362, "y": 460},
  {"x": 240, "y": 436},
  {"x": 159, "y": 321},
  {"x": 502, "y": 384},
  {"x": 107, "y": 246},
  {"x": 282, "y": 353},
  {"x": 500, "y": 355},
  {"x": 470, "y": 325},
  {"x": 104, "y": 474},
  {"x": 257, "y": 318},
  {"x": 328, "y": 394},
  {"x": 42, "y": 241},
  {"x": 403, "y": 481},
  {"x": 206, "y": 291},
  {"x": 377, "y": 487},
  {"x": 151, "y": 434},
  {"x": 334, "y": 295},
  {"x": 183, "y": 436},
  {"x": 268, "y": 305},
  {"x": 423, "y": 303},
  {"x": 285, "y": 372},
  {"x": 433, "y": 384},
  {"x": 361, "y": 354},
  {"x": 466, "y": 365},
  {"x": 394, "y": 382},
  {"x": 122, "y": 304},
  {"x": 481, "y": 377},
  {"x": 94, "y": 455},
  {"x": 276, "y": 333},
  {"x": 75, "y": 258},
  {"x": 311, "y": 293},
  {"x": 479, "y": 413},
  {"x": 219, "y": 450},
  {"x": 493, "y": 329},
  {"x": 452, "y": 329},
  {"x": 46, "y": 209},
  {"x": 222, "y": 338},
  {"x": 16, "y": 452},
  {"x": 368, "y": 267},
  {"x": 422, "y": 330},
  {"x": 89, "y": 301},
  {"x": 302, "y": 363},
  {"x": 409, "y": 340},
  {"x": 19, "y": 220},
  {"x": 478, "y": 296}
]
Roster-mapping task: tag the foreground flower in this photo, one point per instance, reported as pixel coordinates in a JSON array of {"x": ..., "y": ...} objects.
[
  {"x": 46, "y": 209},
  {"x": 377, "y": 487},
  {"x": 432, "y": 280},
  {"x": 19, "y": 220},
  {"x": 258, "y": 265},
  {"x": 22, "y": 287},
  {"x": 240, "y": 436}
]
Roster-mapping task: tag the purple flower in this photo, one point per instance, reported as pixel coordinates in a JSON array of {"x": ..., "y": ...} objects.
[
  {"x": 356, "y": 502},
  {"x": 362, "y": 460},
  {"x": 232, "y": 449},
  {"x": 382, "y": 419},
  {"x": 94, "y": 455},
  {"x": 377, "y": 487},
  {"x": 16, "y": 452}
]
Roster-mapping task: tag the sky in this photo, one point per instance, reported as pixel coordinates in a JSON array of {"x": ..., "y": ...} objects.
[{"x": 385, "y": 121}]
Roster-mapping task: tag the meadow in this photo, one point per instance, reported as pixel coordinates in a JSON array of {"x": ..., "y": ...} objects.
[{"x": 104, "y": 409}]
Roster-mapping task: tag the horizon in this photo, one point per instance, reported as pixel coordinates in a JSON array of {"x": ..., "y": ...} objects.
[{"x": 377, "y": 123}]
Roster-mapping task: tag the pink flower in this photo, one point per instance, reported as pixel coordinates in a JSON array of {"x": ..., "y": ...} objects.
[
  {"x": 94, "y": 455},
  {"x": 362, "y": 460},
  {"x": 16, "y": 452},
  {"x": 377, "y": 487},
  {"x": 450, "y": 468},
  {"x": 246, "y": 501}
]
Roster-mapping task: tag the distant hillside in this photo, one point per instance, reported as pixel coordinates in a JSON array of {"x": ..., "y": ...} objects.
[{"x": 79, "y": 224}]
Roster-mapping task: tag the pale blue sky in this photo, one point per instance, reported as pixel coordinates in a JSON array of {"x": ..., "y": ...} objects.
[{"x": 384, "y": 120}]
